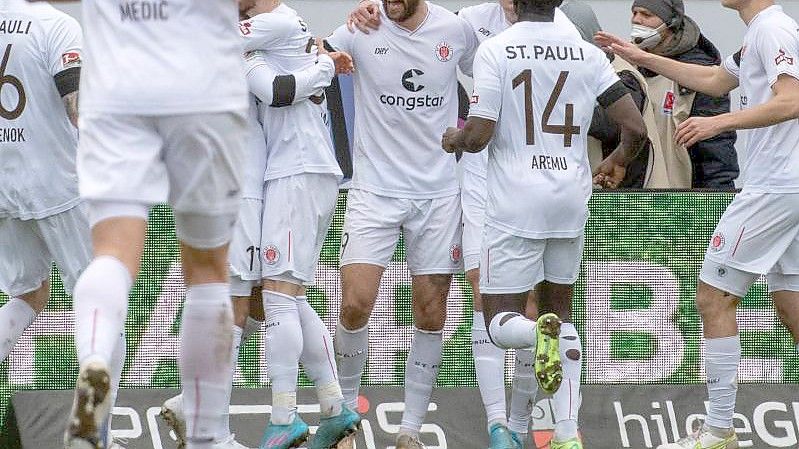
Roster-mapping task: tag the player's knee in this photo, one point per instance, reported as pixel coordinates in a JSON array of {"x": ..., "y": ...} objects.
[
  {"x": 430, "y": 315},
  {"x": 37, "y": 299},
  {"x": 202, "y": 266},
  {"x": 712, "y": 302},
  {"x": 355, "y": 311}
]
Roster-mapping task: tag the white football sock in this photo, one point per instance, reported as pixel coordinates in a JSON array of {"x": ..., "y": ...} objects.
[
  {"x": 15, "y": 316},
  {"x": 117, "y": 365},
  {"x": 319, "y": 360},
  {"x": 566, "y": 400},
  {"x": 489, "y": 365},
  {"x": 352, "y": 348},
  {"x": 511, "y": 330},
  {"x": 722, "y": 357},
  {"x": 223, "y": 431},
  {"x": 421, "y": 371},
  {"x": 101, "y": 306},
  {"x": 205, "y": 370},
  {"x": 283, "y": 350},
  {"x": 523, "y": 392},
  {"x": 252, "y": 327}
]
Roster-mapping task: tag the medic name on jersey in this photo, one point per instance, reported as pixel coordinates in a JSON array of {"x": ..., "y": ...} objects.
[
  {"x": 138, "y": 11},
  {"x": 544, "y": 52}
]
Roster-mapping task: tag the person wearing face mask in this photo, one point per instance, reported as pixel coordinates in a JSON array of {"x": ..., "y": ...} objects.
[{"x": 662, "y": 28}]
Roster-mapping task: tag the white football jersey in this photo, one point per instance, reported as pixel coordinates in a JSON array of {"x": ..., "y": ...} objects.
[
  {"x": 254, "y": 164},
  {"x": 487, "y": 20},
  {"x": 162, "y": 58},
  {"x": 37, "y": 140},
  {"x": 771, "y": 49},
  {"x": 540, "y": 83},
  {"x": 297, "y": 136},
  {"x": 406, "y": 96}
]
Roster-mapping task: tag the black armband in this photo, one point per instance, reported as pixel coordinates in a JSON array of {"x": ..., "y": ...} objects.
[
  {"x": 67, "y": 81},
  {"x": 284, "y": 88},
  {"x": 613, "y": 94}
]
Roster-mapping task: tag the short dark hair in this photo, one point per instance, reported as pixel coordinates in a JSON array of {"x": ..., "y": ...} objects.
[{"x": 535, "y": 6}]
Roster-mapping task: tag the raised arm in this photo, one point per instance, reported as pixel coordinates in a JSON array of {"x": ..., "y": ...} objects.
[{"x": 711, "y": 80}]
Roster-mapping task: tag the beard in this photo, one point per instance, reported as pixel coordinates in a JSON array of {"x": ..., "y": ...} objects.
[{"x": 410, "y": 7}]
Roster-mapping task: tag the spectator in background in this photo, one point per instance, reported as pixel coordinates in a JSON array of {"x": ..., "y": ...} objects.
[
  {"x": 661, "y": 27},
  {"x": 648, "y": 169}
]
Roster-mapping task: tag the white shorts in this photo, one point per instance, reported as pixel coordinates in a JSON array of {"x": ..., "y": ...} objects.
[
  {"x": 757, "y": 234},
  {"x": 31, "y": 246},
  {"x": 431, "y": 229},
  {"x": 245, "y": 248},
  {"x": 473, "y": 200},
  {"x": 296, "y": 218},
  {"x": 190, "y": 161},
  {"x": 513, "y": 264}
]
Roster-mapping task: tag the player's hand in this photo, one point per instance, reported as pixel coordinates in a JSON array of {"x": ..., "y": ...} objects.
[
  {"x": 610, "y": 173},
  {"x": 449, "y": 139},
  {"x": 696, "y": 129},
  {"x": 618, "y": 46},
  {"x": 365, "y": 17},
  {"x": 343, "y": 62}
]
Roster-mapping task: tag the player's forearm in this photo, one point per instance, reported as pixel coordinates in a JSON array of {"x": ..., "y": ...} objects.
[
  {"x": 285, "y": 90},
  {"x": 696, "y": 77},
  {"x": 625, "y": 113},
  {"x": 314, "y": 79},
  {"x": 777, "y": 110},
  {"x": 71, "y": 106},
  {"x": 475, "y": 135}
]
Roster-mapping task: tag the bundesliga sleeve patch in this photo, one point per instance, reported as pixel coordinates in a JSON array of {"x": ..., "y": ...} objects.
[{"x": 70, "y": 59}]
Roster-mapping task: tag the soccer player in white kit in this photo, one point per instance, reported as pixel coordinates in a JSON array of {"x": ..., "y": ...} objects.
[
  {"x": 41, "y": 219},
  {"x": 759, "y": 232},
  {"x": 535, "y": 89},
  {"x": 300, "y": 193},
  {"x": 268, "y": 89},
  {"x": 405, "y": 96},
  {"x": 151, "y": 132}
]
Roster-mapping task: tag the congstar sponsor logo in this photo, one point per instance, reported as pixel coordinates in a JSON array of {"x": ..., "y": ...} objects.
[{"x": 413, "y": 81}]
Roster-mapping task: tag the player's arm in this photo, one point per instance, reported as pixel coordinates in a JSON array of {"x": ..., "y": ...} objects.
[
  {"x": 711, "y": 80},
  {"x": 622, "y": 110},
  {"x": 473, "y": 138},
  {"x": 486, "y": 103},
  {"x": 783, "y": 106},
  {"x": 63, "y": 50},
  {"x": 777, "y": 51},
  {"x": 285, "y": 90}
]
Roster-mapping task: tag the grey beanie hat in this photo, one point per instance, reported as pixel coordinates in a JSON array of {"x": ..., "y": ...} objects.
[{"x": 670, "y": 12}]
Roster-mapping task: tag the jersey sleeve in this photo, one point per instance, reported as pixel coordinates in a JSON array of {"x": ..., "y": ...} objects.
[
  {"x": 64, "y": 44},
  {"x": 284, "y": 90},
  {"x": 605, "y": 75},
  {"x": 341, "y": 39},
  {"x": 778, "y": 49},
  {"x": 265, "y": 30},
  {"x": 486, "y": 101},
  {"x": 732, "y": 64},
  {"x": 470, "y": 45}
]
